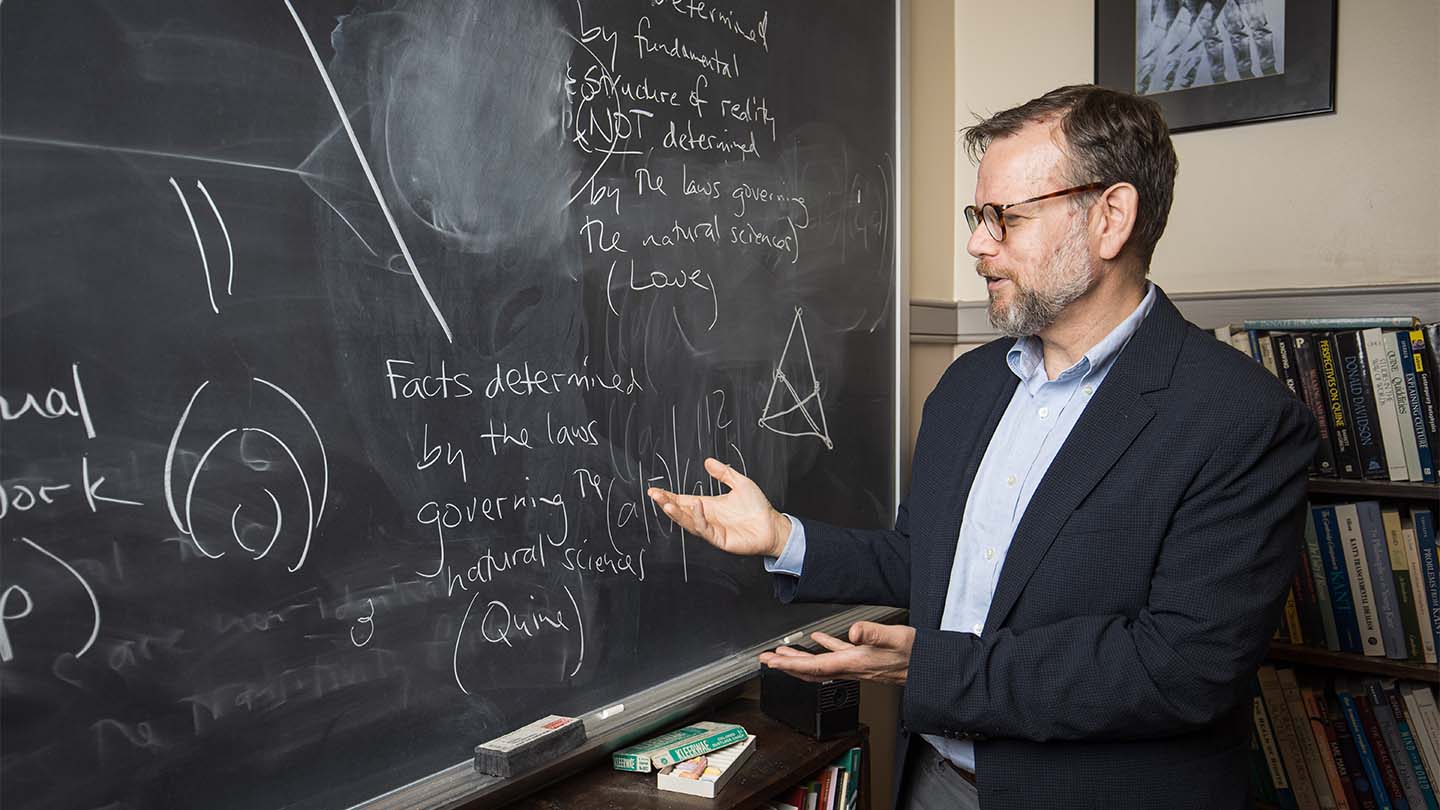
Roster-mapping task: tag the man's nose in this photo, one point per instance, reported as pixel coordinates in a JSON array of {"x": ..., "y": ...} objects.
[{"x": 981, "y": 243}]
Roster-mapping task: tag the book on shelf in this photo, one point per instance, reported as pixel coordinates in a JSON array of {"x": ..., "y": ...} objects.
[
  {"x": 1382, "y": 581},
  {"x": 1386, "y": 413},
  {"x": 1425, "y": 380},
  {"x": 1347, "y": 455},
  {"x": 1360, "y": 398},
  {"x": 1417, "y": 411},
  {"x": 1326, "y": 324},
  {"x": 1378, "y": 565},
  {"x": 1374, "y": 390}
]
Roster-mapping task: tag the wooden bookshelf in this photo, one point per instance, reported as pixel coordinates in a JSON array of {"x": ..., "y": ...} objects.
[
  {"x": 1375, "y": 489},
  {"x": 1350, "y": 662}
]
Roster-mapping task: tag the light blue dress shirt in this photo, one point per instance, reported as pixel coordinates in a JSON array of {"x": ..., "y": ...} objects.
[{"x": 1034, "y": 426}]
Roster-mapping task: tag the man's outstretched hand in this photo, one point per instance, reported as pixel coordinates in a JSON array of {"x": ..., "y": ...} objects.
[
  {"x": 875, "y": 652},
  {"x": 741, "y": 521}
]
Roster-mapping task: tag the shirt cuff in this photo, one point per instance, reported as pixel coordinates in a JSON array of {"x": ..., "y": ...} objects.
[{"x": 792, "y": 558}]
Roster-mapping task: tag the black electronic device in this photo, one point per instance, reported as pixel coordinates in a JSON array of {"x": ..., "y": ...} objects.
[{"x": 822, "y": 710}]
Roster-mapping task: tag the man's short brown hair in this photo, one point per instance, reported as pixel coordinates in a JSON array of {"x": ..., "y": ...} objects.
[{"x": 1110, "y": 137}]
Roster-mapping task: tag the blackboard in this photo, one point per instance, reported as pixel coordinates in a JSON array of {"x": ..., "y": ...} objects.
[{"x": 340, "y": 340}]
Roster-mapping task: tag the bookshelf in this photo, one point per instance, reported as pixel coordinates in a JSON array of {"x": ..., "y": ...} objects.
[
  {"x": 1403, "y": 490},
  {"x": 1320, "y": 658},
  {"x": 1328, "y": 490}
]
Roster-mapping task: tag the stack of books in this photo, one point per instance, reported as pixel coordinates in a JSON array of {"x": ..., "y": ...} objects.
[
  {"x": 834, "y": 787},
  {"x": 1345, "y": 744},
  {"x": 1368, "y": 582},
  {"x": 1371, "y": 383}
]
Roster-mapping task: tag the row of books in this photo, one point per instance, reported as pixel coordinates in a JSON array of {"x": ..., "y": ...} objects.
[
  {"x": 1373, "y": 390},
  {"x": 1368, "y": 582},
  {"x": 1345, "y": 745},
  {"x": 834, "y": 787}
]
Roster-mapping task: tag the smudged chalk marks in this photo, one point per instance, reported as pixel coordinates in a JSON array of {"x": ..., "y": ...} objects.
[{"x": 370, "y": 176}]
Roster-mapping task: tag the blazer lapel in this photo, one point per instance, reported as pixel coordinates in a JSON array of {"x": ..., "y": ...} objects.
[
  {"x": 996, "y": 386},
  {"x": 1099, "y": 439}
]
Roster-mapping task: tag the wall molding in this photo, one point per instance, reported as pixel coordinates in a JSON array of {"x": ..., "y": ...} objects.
[{"x": 933, "y": 321}]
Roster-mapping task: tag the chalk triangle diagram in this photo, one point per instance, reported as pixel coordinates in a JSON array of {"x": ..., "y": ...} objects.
[{"x": 786, "y": 411}]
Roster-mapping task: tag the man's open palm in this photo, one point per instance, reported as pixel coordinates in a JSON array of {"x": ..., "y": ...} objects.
[{"x": 741, "y": 521}]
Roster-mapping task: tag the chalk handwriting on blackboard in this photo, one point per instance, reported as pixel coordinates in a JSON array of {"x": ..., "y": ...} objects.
[{"x": 186, "y": 523}]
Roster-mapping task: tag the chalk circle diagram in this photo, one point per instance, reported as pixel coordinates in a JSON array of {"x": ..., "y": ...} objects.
[
  {"x": 182, "y": 503},
  {"x": 786, "y": 412}
]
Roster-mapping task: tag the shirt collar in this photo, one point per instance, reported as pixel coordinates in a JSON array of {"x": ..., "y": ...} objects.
[{"x": 1026, "y": 358}]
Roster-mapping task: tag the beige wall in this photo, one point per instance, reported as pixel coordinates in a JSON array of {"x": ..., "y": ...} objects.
[
  {"x": 930, "y": 59},
  {"x": 1333, "y": 200}
]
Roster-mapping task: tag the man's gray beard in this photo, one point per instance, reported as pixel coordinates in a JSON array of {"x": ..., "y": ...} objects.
[{"x": 1034, "y": 309}]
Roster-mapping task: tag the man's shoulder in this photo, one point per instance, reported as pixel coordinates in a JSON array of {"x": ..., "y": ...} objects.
[{"x": 1222, "y": 373}]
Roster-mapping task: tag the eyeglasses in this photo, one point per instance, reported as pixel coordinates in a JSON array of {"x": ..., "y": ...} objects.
[{"x": 991, "y": 213}]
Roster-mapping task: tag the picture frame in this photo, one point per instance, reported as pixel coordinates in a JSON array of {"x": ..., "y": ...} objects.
[{"x": 1217, "y": 63}]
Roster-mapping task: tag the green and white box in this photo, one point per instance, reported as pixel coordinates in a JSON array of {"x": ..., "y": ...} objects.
[{"x": 677, "y": 746}]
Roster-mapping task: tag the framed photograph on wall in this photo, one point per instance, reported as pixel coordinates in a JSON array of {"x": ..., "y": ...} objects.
[{"x": 1214, "y": 63}]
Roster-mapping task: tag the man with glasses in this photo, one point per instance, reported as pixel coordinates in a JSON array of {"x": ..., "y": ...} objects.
[{"x": 1104, "y": 513}]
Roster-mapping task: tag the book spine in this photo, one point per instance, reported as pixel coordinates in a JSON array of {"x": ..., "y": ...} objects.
[
  {"x": 1425, "y": 541},
  {"x": 1389, "y": 777},
  {"x": 1400, "y": 573},
  {"x": 1265, "y": 732},
  {"x": 1312, "y": 324},
  {"x": 1371, "y": 639},
  {"x": 1412, "y": 749},
  {"x": 1368, "y": 760},
  {"x": 1307, "y": 363},
  {"x": 1413, "y": 471},
  {"x": 1285, "y": 736},
  {"x": 1360, "y": 397},
  {"x": 1382, "y": 578},
  {"x": 1347, "y": 456},
  {"x": 1426, "y": 728},
  {"x": 1386, "y": 414},
  {"x": 1417, "y": 413},
  {"x": 1424, "y": 377},
  {"x": 1329, "y": 756},
  {"x": 1362, "y": 795},
  {"x": 1333, "y": 557},
  {"x": 1432, "y": 358},
  {"x": 1308, "y": 600},
  {"x": 1429, "y": 639},
  {"x": 1320, "y": 584},
  {"x": 1309, "y": 748},
  {"x": 1390, "y": 734},
  {"x": 1266, "y": 348}
]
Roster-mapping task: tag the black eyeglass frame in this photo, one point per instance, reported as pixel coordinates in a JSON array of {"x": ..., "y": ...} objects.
[{"x": 974, "y": 216}]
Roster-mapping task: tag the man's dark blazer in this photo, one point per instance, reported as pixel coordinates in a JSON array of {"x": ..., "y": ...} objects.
[{"x": 1139, "y": 592}]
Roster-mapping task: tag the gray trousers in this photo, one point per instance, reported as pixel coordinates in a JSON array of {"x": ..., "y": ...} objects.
[{"x": 931, "y": 782}]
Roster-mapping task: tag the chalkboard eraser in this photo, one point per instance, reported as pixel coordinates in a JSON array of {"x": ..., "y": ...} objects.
[{"x": 530, "y": 746}]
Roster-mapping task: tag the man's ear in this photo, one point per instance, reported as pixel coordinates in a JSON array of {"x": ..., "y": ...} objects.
[{"x": 1112, "y": 219}]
